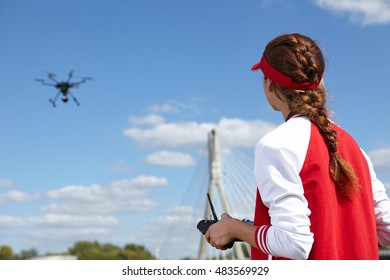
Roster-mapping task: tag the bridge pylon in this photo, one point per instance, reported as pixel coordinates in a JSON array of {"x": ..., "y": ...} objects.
[{"x": 216, "y": 187}]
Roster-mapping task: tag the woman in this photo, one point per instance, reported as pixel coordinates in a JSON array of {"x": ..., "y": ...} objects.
[{"x": 318, "y": 196}]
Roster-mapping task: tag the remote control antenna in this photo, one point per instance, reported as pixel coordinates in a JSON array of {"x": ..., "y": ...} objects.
[{"x": 212, "y": 207}]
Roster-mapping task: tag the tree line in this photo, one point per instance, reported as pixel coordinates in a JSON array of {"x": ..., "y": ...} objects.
[{"x": 86, "y": 250}]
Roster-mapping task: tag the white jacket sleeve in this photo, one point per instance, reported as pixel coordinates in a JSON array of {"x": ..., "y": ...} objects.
[
  {"x": 277, "y": 167},
  {"x": 382, "y": 206}
]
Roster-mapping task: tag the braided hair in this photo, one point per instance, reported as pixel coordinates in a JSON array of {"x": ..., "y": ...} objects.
[{"x": 300, "y": 58}]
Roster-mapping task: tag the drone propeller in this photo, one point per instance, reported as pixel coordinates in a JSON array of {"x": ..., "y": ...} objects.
[
  {"x": 52, "y": 76},
  {"x": 43, "y": 82},
  {"x": 70, "y": 75},
  {"x": 83, "y": 80}
]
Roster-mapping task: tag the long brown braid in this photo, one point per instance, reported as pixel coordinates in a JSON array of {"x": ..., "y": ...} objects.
[{"x": 300, "y": 58}]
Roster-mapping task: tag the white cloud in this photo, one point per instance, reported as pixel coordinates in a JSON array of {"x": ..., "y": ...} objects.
[
  {"x": 381, "y": 159},
  {"x": 192, "y": 135},
  {"x": 7, "y": 184},
  {"x": 171, "y": 135},
  {"x": 17, "y": 196},
  {"x": 149, "y": 120},
  {"x": 165, "y": 108},
  {"x": 73, "y": 220},
  {"x": 120, "y": 167},
  {"x": 127, "y": 195},
  {"x": 172, "y": 106},
  {"x": 148, "y": 181},
  {"x": 120, "y": 205},
  {"x": 170, "y": 159},
  {"x": 135, "y": 188},
  {"x": 11, "y": 221},
  {"x": 54, "y": 234},
  {"x": 238, "y": 133},
  {"x": 119, "y": 196},
  {"x": 364, "y": 12},
  {"x": 63, "y": 220}
]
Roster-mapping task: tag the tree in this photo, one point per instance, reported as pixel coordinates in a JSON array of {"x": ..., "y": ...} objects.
[
  {"x": 6, "y": 253},
  {"x": 27, "y": 254},
  {"x": 85, "y": 250},
  {"x": 136, "y": 252}
]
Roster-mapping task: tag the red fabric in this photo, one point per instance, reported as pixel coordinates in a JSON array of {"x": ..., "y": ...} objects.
[
  {"x": 261, "y": 218},
  {"x": 342, "y": 229},
  {"x": 282, "y": 79}
]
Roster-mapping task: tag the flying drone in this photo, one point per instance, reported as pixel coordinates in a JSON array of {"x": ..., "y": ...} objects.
[{"x": 63, "y": 87}]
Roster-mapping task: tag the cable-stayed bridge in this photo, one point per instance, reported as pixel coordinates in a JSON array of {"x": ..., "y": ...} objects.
[{"x": 228, "y": 177}]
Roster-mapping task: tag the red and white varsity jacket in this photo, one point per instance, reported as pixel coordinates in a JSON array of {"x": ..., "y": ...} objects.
[{"x": 298, "y": 214}]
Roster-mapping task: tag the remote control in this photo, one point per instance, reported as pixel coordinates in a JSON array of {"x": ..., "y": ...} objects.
[{"x": 204, "y": 225}]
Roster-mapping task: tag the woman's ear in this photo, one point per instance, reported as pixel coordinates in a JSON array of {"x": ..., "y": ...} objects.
[
  {"x": 270, "y": 85},
  {"x": 272, "y": 88}
]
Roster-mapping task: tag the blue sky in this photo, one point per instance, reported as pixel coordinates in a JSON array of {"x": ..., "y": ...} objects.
[{"x": 119, "y": 168}]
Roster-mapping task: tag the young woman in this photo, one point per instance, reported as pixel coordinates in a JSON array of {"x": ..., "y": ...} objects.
[{"x": 317, "y": 194}]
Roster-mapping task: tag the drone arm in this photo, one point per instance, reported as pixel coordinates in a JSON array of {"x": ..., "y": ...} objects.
[
  {"x": 45, "y": 83},
  {"x": 74, "y": 99},
  {"x": 76, "y": 84}
]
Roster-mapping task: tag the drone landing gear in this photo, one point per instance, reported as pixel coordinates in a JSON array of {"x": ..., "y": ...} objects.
[
  {"x": 74, "y": 99},
  {"x": 52, "y": 102},
  {"x": 64, "y": 99}
]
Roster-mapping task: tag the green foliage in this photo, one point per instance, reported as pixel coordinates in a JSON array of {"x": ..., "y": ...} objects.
[
  {"x": 85, "y": 250},
  {"x": 136, "y": 252},
  {"x": 27, "y": 254},
  {"x": 6, "y": 253}
]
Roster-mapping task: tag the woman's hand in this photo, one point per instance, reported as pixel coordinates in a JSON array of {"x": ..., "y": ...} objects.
[{"x": 220, "y": 234}]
